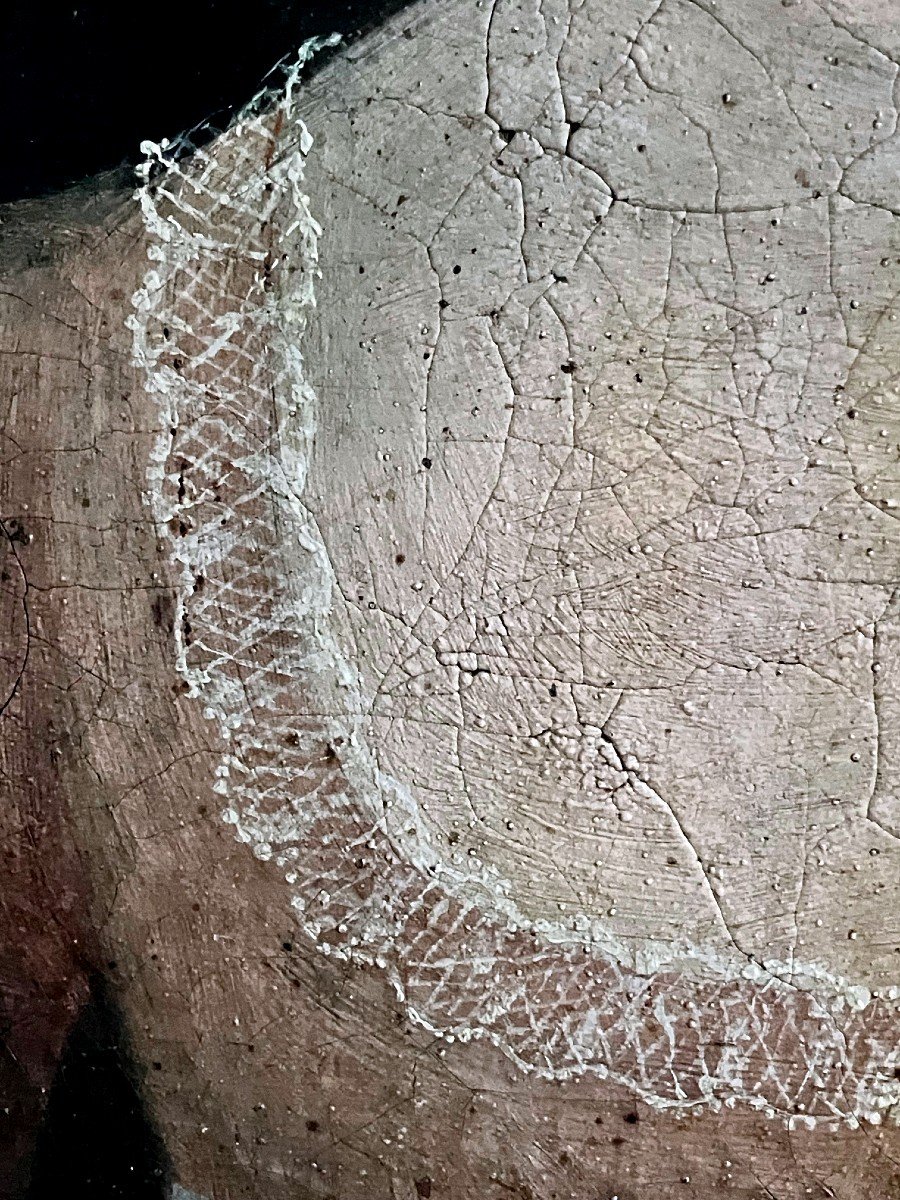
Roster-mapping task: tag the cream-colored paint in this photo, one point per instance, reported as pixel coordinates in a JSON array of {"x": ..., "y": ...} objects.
[{"x": 636, "y": 458}]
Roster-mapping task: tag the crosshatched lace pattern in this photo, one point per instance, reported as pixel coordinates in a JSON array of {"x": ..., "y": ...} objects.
[{"x": 217, "y": 330}]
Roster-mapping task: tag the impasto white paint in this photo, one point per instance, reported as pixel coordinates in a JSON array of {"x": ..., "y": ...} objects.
[{"x": 398, "y": 825}]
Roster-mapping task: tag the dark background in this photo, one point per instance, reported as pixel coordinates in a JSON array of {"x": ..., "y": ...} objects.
[{"x": 83, "y": 82}]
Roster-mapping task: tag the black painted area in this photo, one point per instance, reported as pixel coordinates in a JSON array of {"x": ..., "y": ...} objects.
[
  {"x": 20, "y": 1107},
  {"x": 83, "y": 82},
  {"x": 97, "y": 1140}
]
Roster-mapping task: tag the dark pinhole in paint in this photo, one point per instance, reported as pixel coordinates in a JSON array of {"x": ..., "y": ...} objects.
[{"x": 97, "y": 1139}]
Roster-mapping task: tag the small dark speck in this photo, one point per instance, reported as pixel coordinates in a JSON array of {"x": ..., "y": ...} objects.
[
  {"x": 399, "y": 559},
  {"x": 312, "y": 1126},
  {"x": 426, "y": 463},
  {"x": 567, "y": 367},
  {"x": 16, "y": 532},
  {"x": 457, "y": 269},
  {"x": 287, "y": 946},
  {"x": 631, "y": 1118},
  {"x": 641, "y": 148}
]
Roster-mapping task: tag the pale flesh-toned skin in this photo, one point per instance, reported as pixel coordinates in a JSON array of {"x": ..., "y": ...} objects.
[{"x": 684, "y": 459}]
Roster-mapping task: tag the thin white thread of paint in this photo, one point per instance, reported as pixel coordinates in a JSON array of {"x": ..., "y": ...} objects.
[{"x": 217, "y": 328}]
